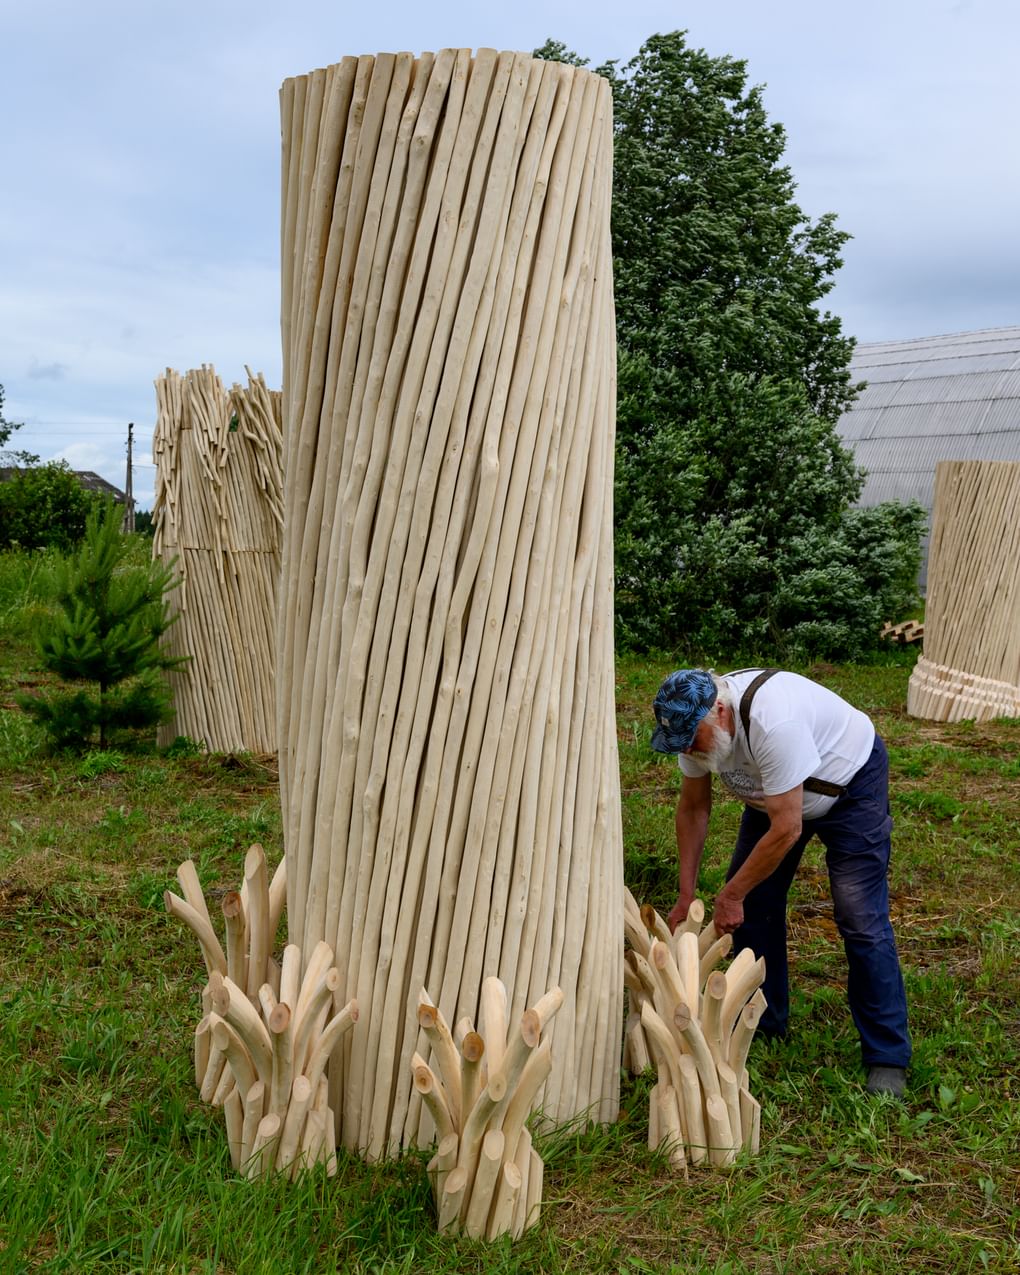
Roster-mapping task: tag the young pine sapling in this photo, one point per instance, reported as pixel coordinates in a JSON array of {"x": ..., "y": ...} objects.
[{"x": 104, "y": 635}]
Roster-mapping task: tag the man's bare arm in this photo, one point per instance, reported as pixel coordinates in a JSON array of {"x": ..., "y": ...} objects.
[
  {"x": 785, "y": 821},
  {"x": 692, "y": 812}
]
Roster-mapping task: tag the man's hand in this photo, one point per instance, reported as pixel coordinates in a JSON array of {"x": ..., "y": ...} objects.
[
  {"x": 679, "y": 913},
  {"x": 728, "y": 912}
]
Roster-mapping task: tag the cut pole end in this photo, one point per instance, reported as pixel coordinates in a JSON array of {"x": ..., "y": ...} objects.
[
  {"x": 531, "y": 1027},
  {"x": 682, "y": 1017},
  {"x": 254, "y": 860},
  {"x": 472, "y": 1047},
  {"x": 231, "y": 904}
]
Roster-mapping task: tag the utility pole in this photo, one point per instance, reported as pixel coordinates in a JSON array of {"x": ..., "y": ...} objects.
[{"x": 129, "y": 500}]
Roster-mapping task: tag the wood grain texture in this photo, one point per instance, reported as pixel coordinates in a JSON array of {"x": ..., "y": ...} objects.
[{"x": 448, "y": 757}]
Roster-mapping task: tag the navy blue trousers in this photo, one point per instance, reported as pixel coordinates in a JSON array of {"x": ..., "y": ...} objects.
[{"x": 855, "y": 833}]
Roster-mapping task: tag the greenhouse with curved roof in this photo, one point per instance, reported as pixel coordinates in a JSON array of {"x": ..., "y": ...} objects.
[{"x": 954, "y": 397}]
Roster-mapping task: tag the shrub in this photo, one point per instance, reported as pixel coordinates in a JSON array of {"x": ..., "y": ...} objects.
[
  {"x": 839, "y": 586},
  {"x": 44, "y": 506}
]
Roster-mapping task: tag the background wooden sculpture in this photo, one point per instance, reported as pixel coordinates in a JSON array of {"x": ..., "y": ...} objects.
[
  {"x": 218, "y": 510},
  {"x": 970, "y": 666},
  {"x": 266, "y": 1034},
  {"x": 695, "y": 1022},
  {"x": 447, "y": 743}
]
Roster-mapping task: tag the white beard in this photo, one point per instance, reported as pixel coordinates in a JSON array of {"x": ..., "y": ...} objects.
[{"x": 718, "y": 754}]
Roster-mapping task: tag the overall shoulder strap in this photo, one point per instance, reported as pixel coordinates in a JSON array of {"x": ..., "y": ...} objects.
[
  {"x": 745, "y": 701},
  {"x": 812, "y": 784}
]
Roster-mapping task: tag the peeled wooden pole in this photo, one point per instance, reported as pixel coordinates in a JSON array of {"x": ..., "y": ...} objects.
[
  {"x": 696, "y": 1022},
  {"x": 445, "y": 663}
]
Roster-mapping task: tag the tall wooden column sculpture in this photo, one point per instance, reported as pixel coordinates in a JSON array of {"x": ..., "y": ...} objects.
[
  {"x": 970, "y": 667},
  {"x": 447, "y": 743},
  {"x": 218, "y": 511}
]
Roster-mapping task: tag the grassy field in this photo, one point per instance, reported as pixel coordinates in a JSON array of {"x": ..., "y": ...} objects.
[{"x": 108, "y": 1162}]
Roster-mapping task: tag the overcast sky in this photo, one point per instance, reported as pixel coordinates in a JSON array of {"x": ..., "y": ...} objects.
[{"x": 139, "y": 170}]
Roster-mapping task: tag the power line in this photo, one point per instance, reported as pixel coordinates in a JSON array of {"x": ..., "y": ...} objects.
[{"x": 84, "y": 425}]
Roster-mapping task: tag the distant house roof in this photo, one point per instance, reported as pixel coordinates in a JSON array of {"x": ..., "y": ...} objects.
[
  {"x": 95, "y": 483},
  {"x": 953, "y": 397},
  {"x": 89, "y": 480}
]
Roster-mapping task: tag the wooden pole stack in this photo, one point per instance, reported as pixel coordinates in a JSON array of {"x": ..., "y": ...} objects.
[
  {"x": 448, "y": 761},
  {"x": 694, "y": 1023},
  {"x": 970, "y": 667},
  {"x": 219, "y": 512},
  {"x": 486, "y": 1175},
  {"x": 267, "y": 1033}
]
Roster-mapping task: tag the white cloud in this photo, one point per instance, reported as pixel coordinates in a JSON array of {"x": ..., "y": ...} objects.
[{"x": 141, "y": 166}]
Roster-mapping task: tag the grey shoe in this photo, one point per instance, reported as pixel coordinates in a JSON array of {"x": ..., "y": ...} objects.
[{"x": 887, "y": 1080}]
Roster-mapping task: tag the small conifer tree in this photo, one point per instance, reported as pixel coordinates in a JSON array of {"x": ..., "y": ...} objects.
[{"x": 106, "y": 631}]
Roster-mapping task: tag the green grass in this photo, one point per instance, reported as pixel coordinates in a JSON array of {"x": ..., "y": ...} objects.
[{"x": 109, "y": 1163}]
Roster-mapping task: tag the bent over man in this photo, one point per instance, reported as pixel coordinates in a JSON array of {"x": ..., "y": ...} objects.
[{"x": 805, "y": 763}]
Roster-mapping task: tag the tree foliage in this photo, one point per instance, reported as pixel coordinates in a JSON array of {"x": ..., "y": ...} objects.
[
  {"x": 6, "y": 427},
  {"x": 144, "y": 526},
  {"x": 44, "y": 506},
  {"x": 105, "y": 636},
  {"x": 730, "y": 473}
]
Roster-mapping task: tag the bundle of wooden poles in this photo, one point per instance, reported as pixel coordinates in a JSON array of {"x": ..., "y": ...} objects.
[
  {"x": 694, "y": 1022},
  {"x": 970, "y": 666},
  {"x": 267, "y": 1030},
  {"x": 486, "y": 1175},
  {"x": 218, "y": 514},
  {"x": 448, "y": 759}
]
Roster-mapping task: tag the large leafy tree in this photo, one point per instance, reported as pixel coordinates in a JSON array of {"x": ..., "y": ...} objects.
[{"x": 731, "y": 374}]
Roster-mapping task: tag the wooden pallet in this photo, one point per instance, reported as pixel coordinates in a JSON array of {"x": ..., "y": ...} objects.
[{"x": 906, "y": 632}]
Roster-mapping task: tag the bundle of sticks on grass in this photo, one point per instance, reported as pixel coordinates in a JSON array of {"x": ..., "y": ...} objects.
[
  {"x": 694, "y": 1023},
  {"x": 266, "y": 1032},
  {"x": 218, "y": 512},
  {"x": 970, "y": 666},
  {"x": 448, "y": 765},
  {"x": 486, "y": 1175}
]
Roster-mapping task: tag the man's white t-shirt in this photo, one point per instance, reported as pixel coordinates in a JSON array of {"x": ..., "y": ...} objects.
[{"x": 798, "y": 729}]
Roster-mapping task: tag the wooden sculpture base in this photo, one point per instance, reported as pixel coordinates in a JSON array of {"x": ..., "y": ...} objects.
[
  {"x": 486, "y": 1175},
  {"x": 267, "y": 1032},
  {"x": 942, "y": 694},
  {"x": 694, "y": 1022}
]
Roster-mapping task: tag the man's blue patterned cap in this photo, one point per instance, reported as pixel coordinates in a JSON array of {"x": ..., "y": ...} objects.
[{"x": 683, "y": 700}]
